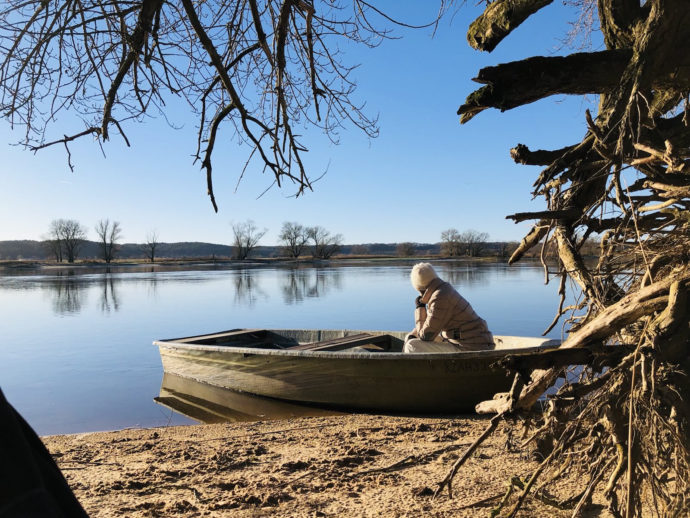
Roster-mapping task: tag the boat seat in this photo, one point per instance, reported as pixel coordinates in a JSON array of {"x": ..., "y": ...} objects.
[
  {"x": 346, "y": 342},
  {"x": 226, "y": 337}
]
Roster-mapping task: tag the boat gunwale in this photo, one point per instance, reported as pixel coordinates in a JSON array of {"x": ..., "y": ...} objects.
[{"x": 176, "y": 343}]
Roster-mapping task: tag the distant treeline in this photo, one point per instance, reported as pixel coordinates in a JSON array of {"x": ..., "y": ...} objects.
[{"x": 90, "y": 250}]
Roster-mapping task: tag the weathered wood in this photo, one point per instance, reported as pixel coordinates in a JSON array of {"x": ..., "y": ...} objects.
[
  {"x": 626, "y": 311},
  {"x": 640, "y": 133},
  {"x": 617, "y": 19},
  {"x": 247, "y": 335},
  {"x": 539, "y": 230},
  {"x": 499, "y": 19},
  {"x": 517, "y": 83},
  {"x": 671, "y": 328},
  {"x": 674, "y": 129},
  {"x": 499, "y": 404},
  {"x": 572, "y": 156},
  {"x": 573, "y": 262},
  {"x": 601, "y": 356},
  {"x": 338, "y": 344},
  {"x": 565, "y": 214},
  {"x": 521, "y": 154}
]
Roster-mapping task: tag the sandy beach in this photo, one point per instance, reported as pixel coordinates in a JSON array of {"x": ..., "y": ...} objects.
[{"x": 348, "y": 465}]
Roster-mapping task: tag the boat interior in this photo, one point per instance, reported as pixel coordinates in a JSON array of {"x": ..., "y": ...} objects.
[
  {"x": 336, "y": 340},
  {"x": 301, "y": 340}
]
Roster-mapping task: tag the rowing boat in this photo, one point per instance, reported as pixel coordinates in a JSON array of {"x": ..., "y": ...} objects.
[{"x": 354, "y": 370}]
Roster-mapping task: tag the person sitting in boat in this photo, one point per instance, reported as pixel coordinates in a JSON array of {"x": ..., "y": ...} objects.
[{"x": 444, "y": 320}]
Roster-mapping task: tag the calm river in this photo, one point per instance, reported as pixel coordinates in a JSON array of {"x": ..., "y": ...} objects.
[{"x": 75, "y": 345}]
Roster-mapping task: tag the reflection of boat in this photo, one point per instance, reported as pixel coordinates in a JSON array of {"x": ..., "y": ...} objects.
[
  {"x": 363, "y": 370},
  {"x": 210, "y": 404}
]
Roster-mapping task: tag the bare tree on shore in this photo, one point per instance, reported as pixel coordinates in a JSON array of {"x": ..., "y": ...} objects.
[
  {"x": 109, "y": 233},
  {"x": 474, "y": 242},
  {"x": 451, "y": 243},
  {"x": 151, "y": 245},
  {"x": 406, "y": 249},
  {"x": 324, "y": 244},
  {"x": 73, "y": 237},
  {"x": 53, "y": 240},
  {"x": 246, "y": 236},
  {"x": 66, "y": 238},
  {"x": 294, "y": 237},
  {"x": 468, "y": 242}
]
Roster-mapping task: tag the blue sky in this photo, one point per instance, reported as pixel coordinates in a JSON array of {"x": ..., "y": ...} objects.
[{"x": 425, "y": 172}]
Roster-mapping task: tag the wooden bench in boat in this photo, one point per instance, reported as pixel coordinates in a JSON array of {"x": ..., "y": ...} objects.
[
  {"x": 374, "y": 342},
  {"x": 264, "y": 339},
  {"x": 252, "y": 335},
  {"x": 256, "y": 338}
]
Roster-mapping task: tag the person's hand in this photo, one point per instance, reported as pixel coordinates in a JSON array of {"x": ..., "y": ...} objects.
[{"x": 418, "y": 302}]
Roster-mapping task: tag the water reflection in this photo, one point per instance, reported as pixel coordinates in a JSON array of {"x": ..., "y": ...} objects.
[
  {"x": 299, "y": 284},
  {"x": 459, "y": 274},
  {"x": 66, "y": 307},
  {"x": 152, "y": 284},
  {"x": 466, "y": 275},
  {"x": 68, "y": 291},
  {"x": 109, "y": 298},
  {"x": 208, "y": 404},
  {"x": 67, "y": 294},
  {"x": 247, "y": 289}
]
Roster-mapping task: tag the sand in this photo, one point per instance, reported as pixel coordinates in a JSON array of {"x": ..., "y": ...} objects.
[{"x": 349, "y": 465}]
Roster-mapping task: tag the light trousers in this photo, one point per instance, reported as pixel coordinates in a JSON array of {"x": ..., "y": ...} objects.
[{"x": 417, "y": 345}]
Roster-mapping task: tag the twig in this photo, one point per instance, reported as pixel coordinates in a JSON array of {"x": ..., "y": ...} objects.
[
  {"x": 449, "y": 477},
  {"x": 410, "y": 460}
]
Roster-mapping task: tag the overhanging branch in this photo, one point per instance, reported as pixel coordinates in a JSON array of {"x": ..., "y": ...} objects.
[
  {"x": 514, "y": 84},
  {"x": 499, "y": 19}
]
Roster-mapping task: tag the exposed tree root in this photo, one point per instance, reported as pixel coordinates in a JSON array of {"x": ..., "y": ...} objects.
[{"x": 619, "y": 429}]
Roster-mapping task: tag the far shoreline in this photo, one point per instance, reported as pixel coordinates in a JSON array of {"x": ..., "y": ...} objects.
[{"x": 194, "y": 263}]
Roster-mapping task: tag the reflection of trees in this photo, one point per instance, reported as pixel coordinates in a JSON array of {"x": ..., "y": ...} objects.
[
  {"x": 465, "y": 275},
  {"x": 109, "y": 299},
  {"x": 67, "y": 292},
  {"x": 309, "y": 282},
  {"x": 152, "y": 284},
  {"x": 247, "y": 289}
]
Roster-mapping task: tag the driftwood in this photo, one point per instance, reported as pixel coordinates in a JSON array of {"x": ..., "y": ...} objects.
[
  {"x": 620, "y": 425},
  {"x": 499, "y": 19},
  {"x": 510, "y": 85}
]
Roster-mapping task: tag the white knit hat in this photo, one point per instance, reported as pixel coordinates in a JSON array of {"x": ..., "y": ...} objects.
[{"x": 421, "y": 276}]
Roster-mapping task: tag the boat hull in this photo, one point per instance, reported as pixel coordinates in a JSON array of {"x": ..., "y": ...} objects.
[{"x": 383, "y": 382}]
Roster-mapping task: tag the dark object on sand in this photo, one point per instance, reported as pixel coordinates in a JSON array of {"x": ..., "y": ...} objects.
[{"x": 31, "y": 484}]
